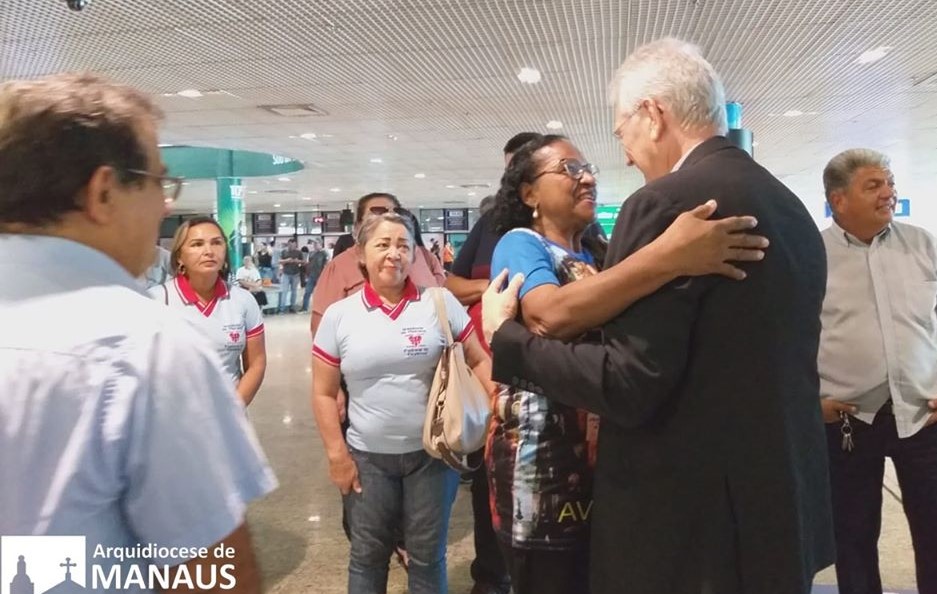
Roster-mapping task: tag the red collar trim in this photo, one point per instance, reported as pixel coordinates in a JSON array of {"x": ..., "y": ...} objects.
[
  {"x": 190, "y": 297},
  {"x": 373, "y": 301}
]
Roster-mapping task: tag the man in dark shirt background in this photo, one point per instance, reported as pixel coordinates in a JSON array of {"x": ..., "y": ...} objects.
[{"x": 291, "y": 260}]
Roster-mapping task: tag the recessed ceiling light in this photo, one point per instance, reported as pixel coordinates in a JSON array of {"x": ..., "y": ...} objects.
[
  {"x": 755, "y": 143},
  {"x": 873, "y": 55},
  {"x": 307, "y": 197},
  {"x": 335, "y": 189},
  {"x": 392, "y": 137},
  {"x": 528, "y": 75},
  {"x": 284, "y": 179},
  {"x": 450, "y": 187},
  {"x": 252, "y": 191},
  {"x": 471, "y": 193},
  {"x": 377, "y": 160},
  {"x": 419, "y": 175},
  {"x": 190, "y": 93},
  {"x": 309, "y": 136},
  {"x": 276, "y": 206},
  {"x": 554, "y": 124}
]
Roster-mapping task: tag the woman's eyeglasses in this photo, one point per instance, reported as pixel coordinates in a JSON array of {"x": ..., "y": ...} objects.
[
  {"x": 379, "y": 210},
  {"x": 573, "y": 169}
]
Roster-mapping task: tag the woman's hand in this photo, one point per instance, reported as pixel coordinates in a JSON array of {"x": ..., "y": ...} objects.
[
  {"x": 696, "y": 246},
  {"x": 344, "y": 474}
]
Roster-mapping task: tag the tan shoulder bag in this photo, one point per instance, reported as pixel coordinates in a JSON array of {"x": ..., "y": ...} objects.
[{"x": 458, "y": 410}]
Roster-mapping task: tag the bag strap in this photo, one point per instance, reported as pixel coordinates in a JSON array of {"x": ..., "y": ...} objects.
[{"x": 442, "y": 315}]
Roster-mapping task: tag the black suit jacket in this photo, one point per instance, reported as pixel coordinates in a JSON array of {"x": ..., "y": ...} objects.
[{"x": 712, "y": 469}]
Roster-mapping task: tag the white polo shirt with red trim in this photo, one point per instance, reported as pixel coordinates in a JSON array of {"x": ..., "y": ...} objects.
[
  {"x": 388, "y": 356},
  {"x": 228, "y": 320}
]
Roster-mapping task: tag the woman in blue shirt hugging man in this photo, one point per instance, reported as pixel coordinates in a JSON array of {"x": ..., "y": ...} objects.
[{"x": 541, "y": 454}]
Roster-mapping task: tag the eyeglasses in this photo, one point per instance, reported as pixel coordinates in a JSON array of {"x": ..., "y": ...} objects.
[
  {"x": 627, "y": 118},
  {"x": 172, "y": 186},
  {"x": 573, "y": 169},
  {"x": 379, "y": 210}
]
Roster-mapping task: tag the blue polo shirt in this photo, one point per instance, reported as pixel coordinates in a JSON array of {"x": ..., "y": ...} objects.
[{"x": 388, "y": 356}]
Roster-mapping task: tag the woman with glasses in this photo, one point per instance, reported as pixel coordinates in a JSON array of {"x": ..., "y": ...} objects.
[
  {"x": 540, "y": 454},
  {"x": 228, "y": 315},
  {"x": 386, "y": 339}
]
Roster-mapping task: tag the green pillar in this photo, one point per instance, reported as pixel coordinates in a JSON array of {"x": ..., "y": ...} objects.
[{"x": 230, "y": 208}]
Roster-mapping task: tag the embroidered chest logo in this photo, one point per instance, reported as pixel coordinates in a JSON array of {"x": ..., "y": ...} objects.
[
  {"x": 234, "y": 336},
  {"x": 414, "y": 346}
]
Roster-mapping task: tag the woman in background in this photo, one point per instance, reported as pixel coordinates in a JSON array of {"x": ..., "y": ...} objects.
[{"x": 227, "y": 314}]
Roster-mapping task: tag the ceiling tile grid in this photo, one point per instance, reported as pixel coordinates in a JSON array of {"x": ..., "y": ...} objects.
[{"x": 431, "y": 85}]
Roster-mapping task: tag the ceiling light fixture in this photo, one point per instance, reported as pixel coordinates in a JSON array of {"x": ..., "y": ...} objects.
[
  {"x": 307, "y": 197},
  {"x": 276, "y": 206},
  {"x": 419, "y": 175},
  {"x": 554, "y": 124},
  {"x": 391, "y": 137},
  {"x": 530, "y": 76},
  {"x": 284, "y": 179},
  {"x": 874, "y": 55},
  {"x": 190, "y": 93},
  {"x": 450, "y": 187},
  {"x": 471, "y": 193},
  {"x": 309, "y": 136},
  {"x": 335, "y": 189},
  {"x": 377, "y": 160}
]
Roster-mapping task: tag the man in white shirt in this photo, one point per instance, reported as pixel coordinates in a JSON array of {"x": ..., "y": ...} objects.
[
  {"x": 878, "y": 368},
  {"x": 116, "y": 422}
]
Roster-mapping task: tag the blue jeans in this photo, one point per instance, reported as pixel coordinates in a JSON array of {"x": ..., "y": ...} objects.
[
  {"x": 310, "y": 285},
  {"x": 266, "y": 272},
  {"x": 291, "y": 280},
  {"x": 410, "y": 490}
]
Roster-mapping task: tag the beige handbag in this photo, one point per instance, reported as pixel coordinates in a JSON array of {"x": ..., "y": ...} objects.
[{"x": 458, "y": 410}]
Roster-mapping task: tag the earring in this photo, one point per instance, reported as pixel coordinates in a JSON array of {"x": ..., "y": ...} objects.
[{"x": 536, "y": 212}]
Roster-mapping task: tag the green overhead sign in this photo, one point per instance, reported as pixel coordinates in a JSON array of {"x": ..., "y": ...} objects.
[{"x": 606, "y": 215}]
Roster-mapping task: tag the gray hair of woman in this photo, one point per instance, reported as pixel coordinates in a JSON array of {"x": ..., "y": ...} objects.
[
  {"x": 838, "y": 173},
  {"x": 674, "y": 73},
  {"x": 370, "y": 224}
]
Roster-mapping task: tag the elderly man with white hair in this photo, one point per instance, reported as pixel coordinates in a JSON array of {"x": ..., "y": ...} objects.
[{"x": 712, "y": 473}]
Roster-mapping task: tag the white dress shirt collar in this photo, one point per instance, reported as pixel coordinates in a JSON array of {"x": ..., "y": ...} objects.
[{"x": 679, "y": 163}]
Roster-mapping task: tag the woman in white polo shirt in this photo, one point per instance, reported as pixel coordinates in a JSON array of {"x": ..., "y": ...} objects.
[
  {"x": 228, "y": 314},
  {"x": 386, "y": 340}
]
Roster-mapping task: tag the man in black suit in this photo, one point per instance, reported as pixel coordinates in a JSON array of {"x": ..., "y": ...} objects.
[{"x": 712, "y": 469}]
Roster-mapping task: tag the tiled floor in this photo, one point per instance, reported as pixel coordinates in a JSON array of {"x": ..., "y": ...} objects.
[{"x": 297, "y": 529}]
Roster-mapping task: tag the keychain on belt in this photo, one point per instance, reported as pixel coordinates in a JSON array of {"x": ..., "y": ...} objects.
[{"x": 846, "y": 430}]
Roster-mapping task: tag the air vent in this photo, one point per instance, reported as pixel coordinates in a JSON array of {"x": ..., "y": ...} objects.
[
  {"x": 475, "y": 186},
  {"x": 298, "y": 110},
  {"x": 281, "y": 192}
]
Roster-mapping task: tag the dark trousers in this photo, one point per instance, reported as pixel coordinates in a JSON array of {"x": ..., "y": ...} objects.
[
  {"x": 856, "y": 479},
  {"x": 548, "y": 572},
  {"x": 488, "y": 566}
]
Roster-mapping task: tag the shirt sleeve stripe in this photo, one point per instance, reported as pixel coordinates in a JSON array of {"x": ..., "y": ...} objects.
[
  {"x": 466, "y": 332},
  {"x": 325, "y": 357},
  {"x": 256, "y": 331}
]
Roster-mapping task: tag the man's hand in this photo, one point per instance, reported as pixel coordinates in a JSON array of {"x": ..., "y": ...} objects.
[
  {"x": 832, "y": 408},
  {"x": 932, "y": 405},
  {"x": 696, "y": 246},
  {"x": 499, "y": 306}
]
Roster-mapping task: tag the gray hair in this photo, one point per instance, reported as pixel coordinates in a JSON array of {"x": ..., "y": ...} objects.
[
  {"x": 371, "y": 222},
  {"x": 675, "y": 73},
  {"x": 837, "y": 175}
]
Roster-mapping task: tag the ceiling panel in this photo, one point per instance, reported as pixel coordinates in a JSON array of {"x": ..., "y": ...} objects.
[{"x": 430, "y": 85}]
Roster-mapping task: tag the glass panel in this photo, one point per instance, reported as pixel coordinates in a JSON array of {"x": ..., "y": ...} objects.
[
  {"x": 286, "y": 223},
  {"x": 431, "y": 220},
  {"x": 308, "y": 223}
]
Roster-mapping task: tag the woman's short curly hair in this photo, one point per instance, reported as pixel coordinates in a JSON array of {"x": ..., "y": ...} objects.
[{"x": 509, "y": 211}]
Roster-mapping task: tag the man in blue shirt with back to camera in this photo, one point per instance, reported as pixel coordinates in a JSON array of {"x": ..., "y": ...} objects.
[{"x": 116, "y": 421}]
